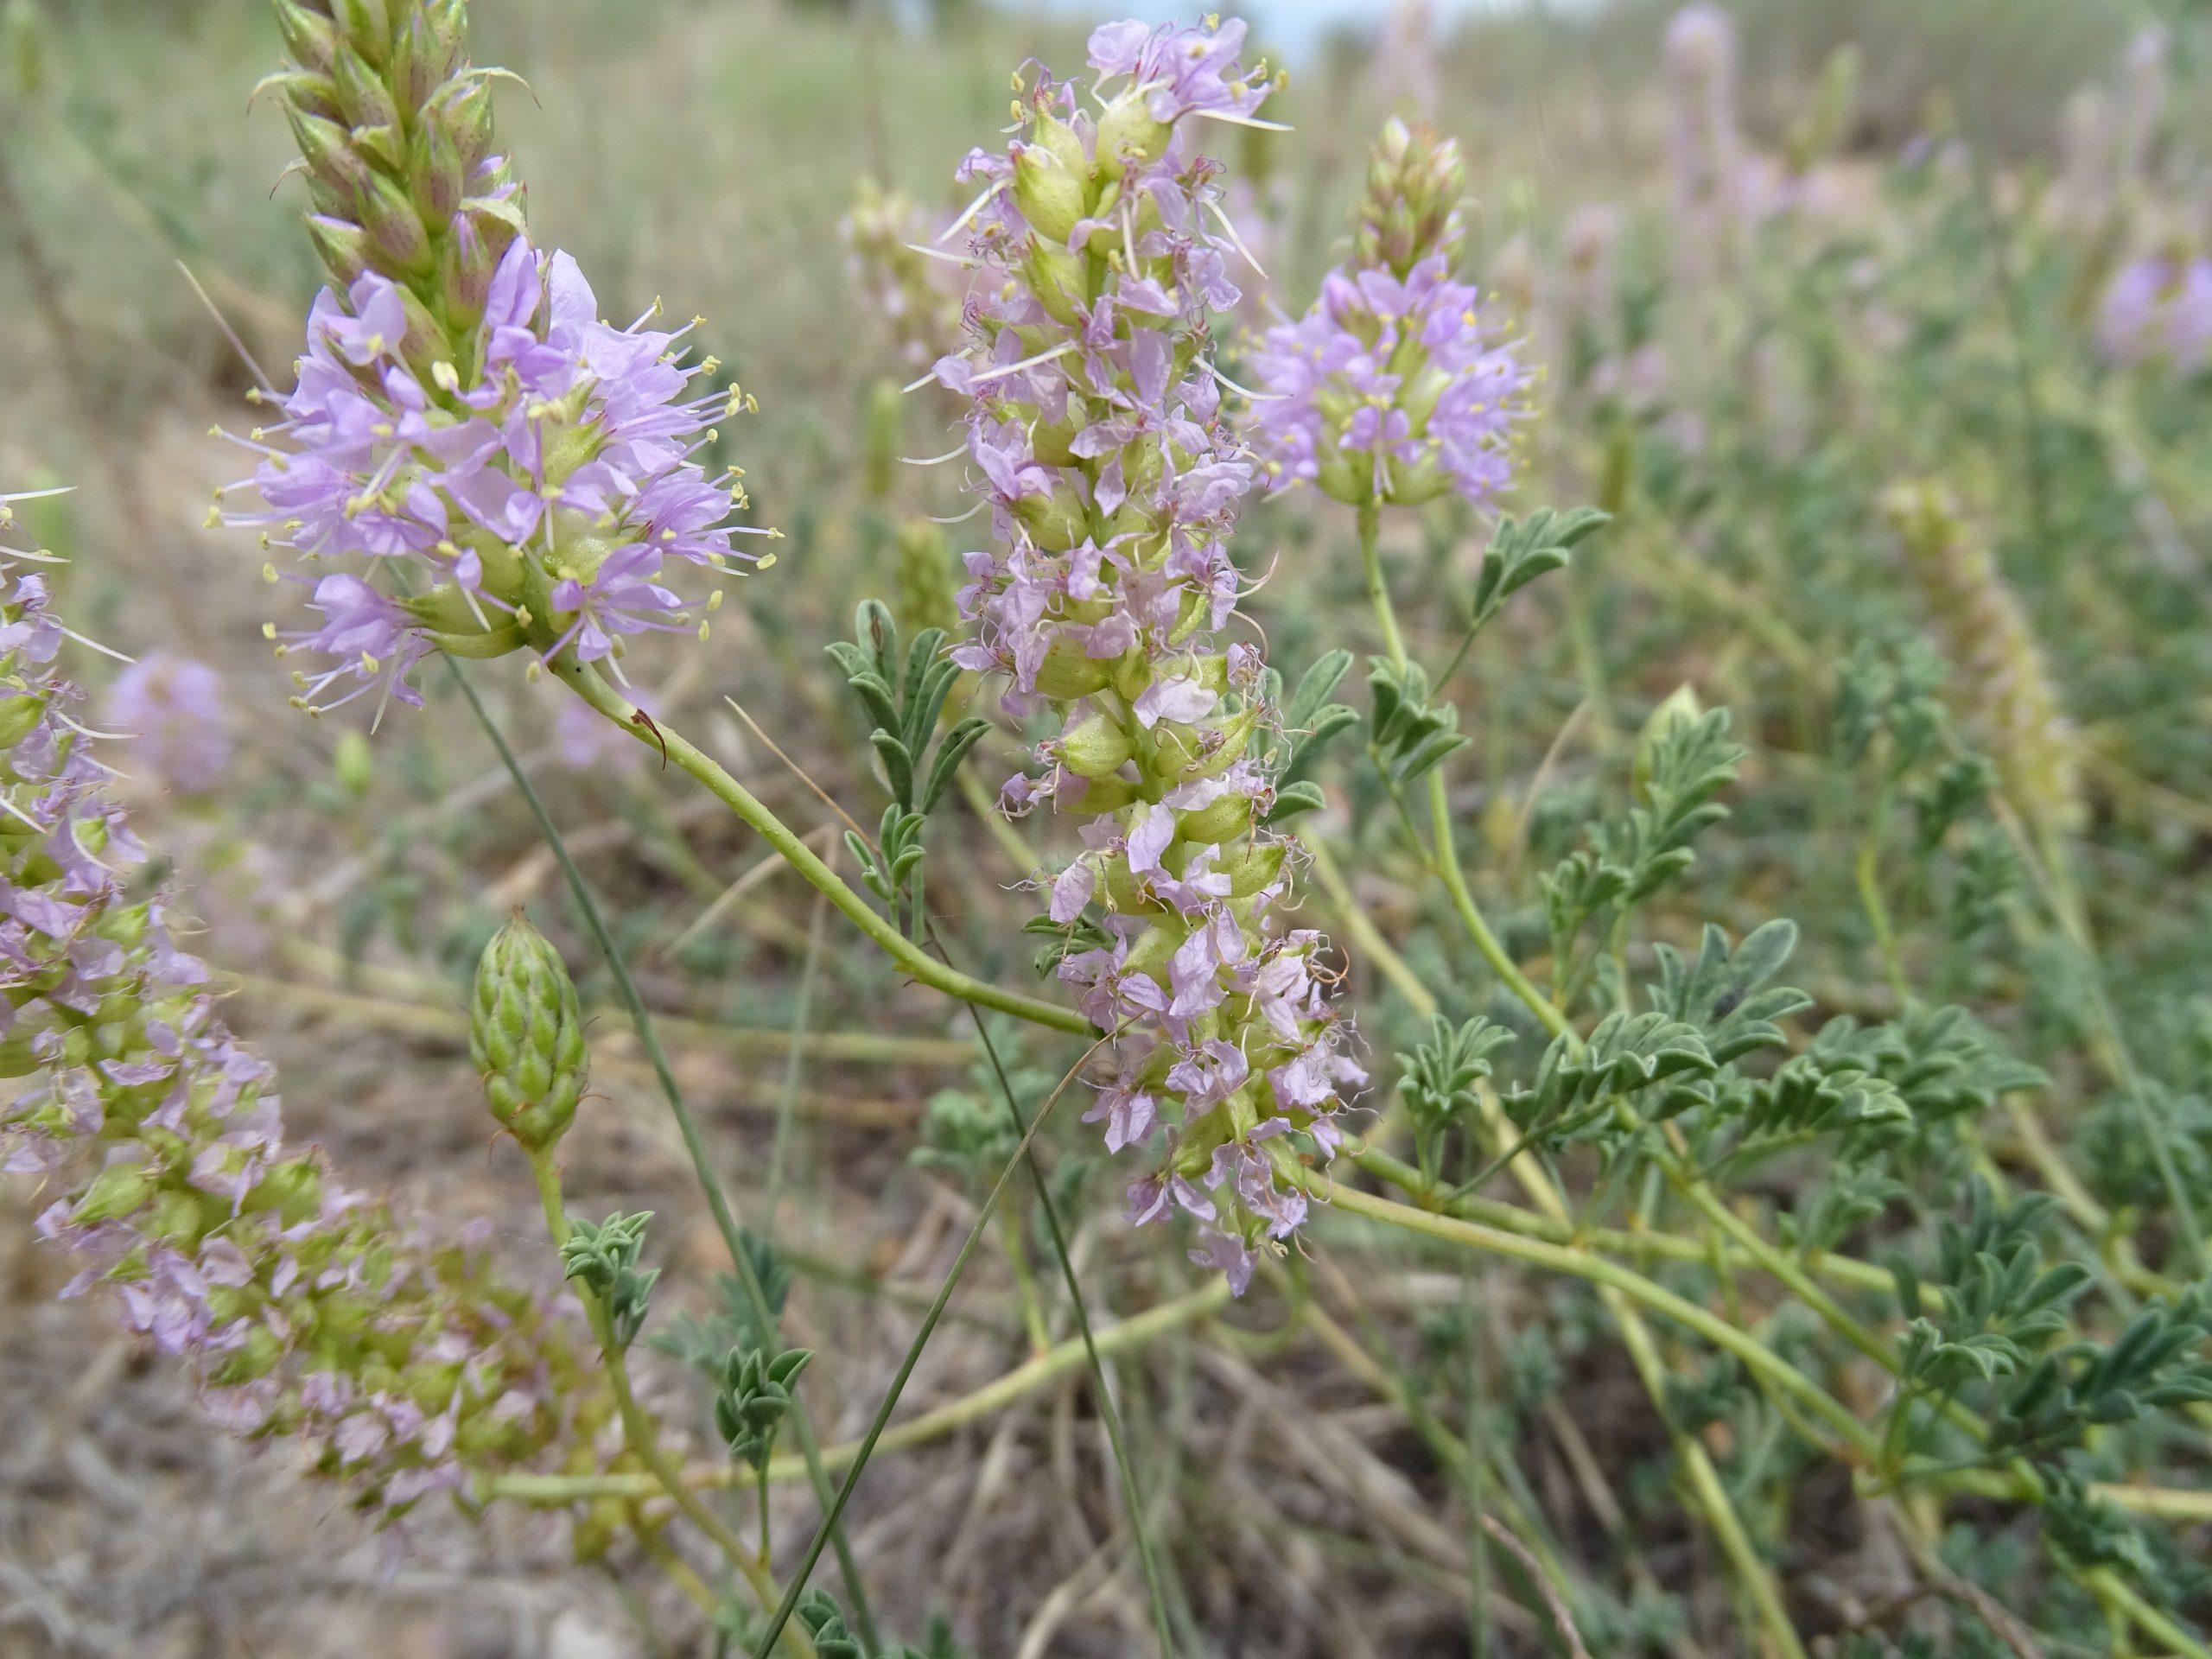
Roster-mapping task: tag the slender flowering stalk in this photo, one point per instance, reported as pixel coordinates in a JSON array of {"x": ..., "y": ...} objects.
[
  {"x": 1094, "y": 426},
  {"x": 493, "y": 465},
  {"x": 887, "y": 239},
  {"x": 1405, "y": 59},
  {"x": 405, "y": 1367},
  {"x": 2003, "y": 686},
  {"x": 1390, "y": 389},
  {"x": 1705, "y": 148}
]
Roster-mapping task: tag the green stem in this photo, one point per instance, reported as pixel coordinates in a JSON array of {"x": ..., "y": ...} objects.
[
  {"x": 1446, "y": 859},
  {"x": 917, "y": 962},
  {"x": 638, "y": 1430},
  {"x": 1463, "y": 901},
  {"x": 1109, "y": 1412},
  {"x": 781, "y": 1617},
  {"x": 1581, "y": 1263},
  {"x": 1867, "y": 869},
  {"x": 1378, "y": 590},
  {"x": 1846, "y": 1269},
  {"x": 1025, "y": 1282},
  {"x": 1026, "y": 1379},
  {"x": 1711, "y": 1494},
  {"x": 694, "y": 1143}
]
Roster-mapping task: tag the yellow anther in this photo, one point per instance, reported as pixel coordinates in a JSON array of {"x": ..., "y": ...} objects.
[
  {"x": 268, "y": 573},
  {"x": 767, "y": 562},
  {"x": 715, "y": 599}
]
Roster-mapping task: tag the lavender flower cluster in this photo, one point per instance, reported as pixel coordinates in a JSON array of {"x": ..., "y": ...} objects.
[
  {"x": 1096, "y": 435},
  {"x": 504, "y": 469},
  {"x": 303, "y": 1308},
  {"x": 1390, "y": 389},
  {"x": 537, "y": 501},
  {"x": 2159, "y": 310}
]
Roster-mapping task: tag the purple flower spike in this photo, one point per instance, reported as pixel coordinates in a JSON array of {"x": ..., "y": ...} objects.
[
  {"x": 162, "y": 1139},
  {"x": 1096, "y": 437},
  {"x": 1388, "y": 392},
  {"x": 532, "y": 503}
]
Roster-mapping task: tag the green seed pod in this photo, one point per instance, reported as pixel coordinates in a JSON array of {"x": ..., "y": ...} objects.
[
  {"x": 331, "y": 161},
  {"x": 1095, "y": 747},
  {"x": 366, "y": 27},
  {"x": 116, "y": 1190},
  {"x": 395, "y": 229},
  {"x": 434, "y": 174},
  {"x": 527, "y": 1035},
  {"x": 1049, "y": 191},
  {"x": 343, "y": 246}
]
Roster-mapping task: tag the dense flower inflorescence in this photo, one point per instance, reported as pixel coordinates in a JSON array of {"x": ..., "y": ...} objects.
[
  {"x": 1095, "y": 431},
  {"x": 172, "y": 708},
  {"x": 1390, "y": 388},
  {"x": 497, "y": 467},
  {"x": 2159, "y": 310},
  {"x": 304, "y": 1310}
]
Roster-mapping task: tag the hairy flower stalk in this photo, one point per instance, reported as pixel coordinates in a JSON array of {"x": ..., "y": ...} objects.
[
  {"x": 1390, "y": 389},
  {"x": 1095, "y": 430},
  {"x": 497, "y": 469},
  {"x": 1704, "y": 147},
  {"x": 404, "y": 1367},
  {"x": 2002, "y": 687}
]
